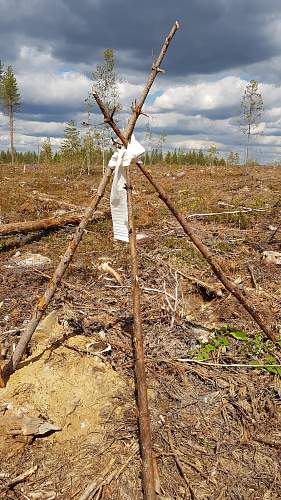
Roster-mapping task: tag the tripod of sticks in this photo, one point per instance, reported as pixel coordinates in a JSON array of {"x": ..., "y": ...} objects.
[{"x": 140, "y": 373}]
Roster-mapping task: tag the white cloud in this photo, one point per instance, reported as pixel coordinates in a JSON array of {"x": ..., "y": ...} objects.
[
  {"x": 66, "y": 89},
  {"x": 202, "y": 111},
  {"x": 201, "y": 96},
  {"x": 39, "y": 128}
]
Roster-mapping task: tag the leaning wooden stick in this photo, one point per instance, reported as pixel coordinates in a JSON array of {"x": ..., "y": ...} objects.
[
  {"x": 44, "y": 301},
  {"x": 229, "y": 285}
]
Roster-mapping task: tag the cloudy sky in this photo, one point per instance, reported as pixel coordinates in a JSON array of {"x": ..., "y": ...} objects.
[{"x": 54, "y": 45}]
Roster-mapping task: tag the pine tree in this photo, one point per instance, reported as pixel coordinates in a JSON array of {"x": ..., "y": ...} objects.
[
  {"x": 10, "y": 99},
  {"x": 236, "y": 158},
  {"x": 230, "y": 158},
  {"x": 46, "y": 155},
  {"x": 71, "y": 146}
]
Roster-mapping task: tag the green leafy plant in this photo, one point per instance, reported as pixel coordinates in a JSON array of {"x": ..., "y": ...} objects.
[
  {"x": 270, "y": 360},
  {"x": 238, "y": 335},
  {"x": 202, "y": 353}
]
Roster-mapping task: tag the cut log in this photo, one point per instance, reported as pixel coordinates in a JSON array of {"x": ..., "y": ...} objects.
[{"x": 45, "y": 224}]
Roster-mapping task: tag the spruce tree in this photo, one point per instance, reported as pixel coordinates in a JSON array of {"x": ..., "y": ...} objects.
[
  {"x": 10, "y": 100},
  {"x": 168, "y": 158},
  {"x": 175, "y": 157}
]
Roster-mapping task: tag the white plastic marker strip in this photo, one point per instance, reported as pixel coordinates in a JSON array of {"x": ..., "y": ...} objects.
[{"x": 118, "y": 198}]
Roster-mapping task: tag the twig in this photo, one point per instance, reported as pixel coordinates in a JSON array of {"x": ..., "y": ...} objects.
[
  {"x": 11, "y": 331},
  {"x": 22, "y": 477},
  {"x": 69, "y": 285},
  {"x": 179, "y": 465},
  {"x": 203, "y": 284},
  {"x": 96, "y": 485},
  {"x": 242, "y": 211},
  {"x": 50, "y": 199},
  {"x": 274, "y": 233},
  {"x": 115, "y": 474},
  {"x": 268, "y": 442},
  {"x": 173, "y": 308},
  {"x": 209, "y": 288},
  {"x": 253, "y": 277},
  {"x": 221, "y": 365},
  {"x": 145, "y": 289}
]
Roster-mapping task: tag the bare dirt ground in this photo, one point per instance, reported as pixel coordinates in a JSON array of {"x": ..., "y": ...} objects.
[{"x": 216, "y": 430}]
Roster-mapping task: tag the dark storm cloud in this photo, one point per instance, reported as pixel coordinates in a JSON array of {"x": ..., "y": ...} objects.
[{"x": 215, "y": 35}]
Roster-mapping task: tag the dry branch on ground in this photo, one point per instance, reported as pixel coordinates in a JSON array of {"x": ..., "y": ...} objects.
[{"x": 47, "y": 224}]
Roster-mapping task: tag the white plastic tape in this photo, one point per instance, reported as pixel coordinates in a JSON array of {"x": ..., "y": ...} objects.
[{"x": 118, "y": 198}]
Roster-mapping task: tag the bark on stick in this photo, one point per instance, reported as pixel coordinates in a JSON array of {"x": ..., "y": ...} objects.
[
  {"x": 140, "y": 374},
  {"x": 44, "y": 301}
]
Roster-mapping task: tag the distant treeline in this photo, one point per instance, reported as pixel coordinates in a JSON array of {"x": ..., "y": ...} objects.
[
  {"x": 193, "y": 157},
  {"x": 176, "y": 157}
]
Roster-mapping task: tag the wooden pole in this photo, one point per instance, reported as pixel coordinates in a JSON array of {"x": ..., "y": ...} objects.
[
  {"x": 144, "y": 419},
  {"x": 229, "y": 285},
  {"x": 44, "y": 301},
  {"x": 140, "y": 373}
]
